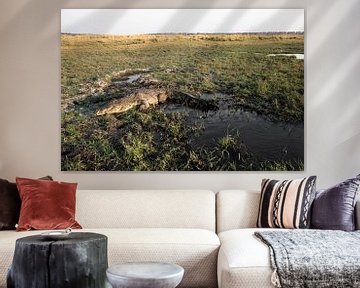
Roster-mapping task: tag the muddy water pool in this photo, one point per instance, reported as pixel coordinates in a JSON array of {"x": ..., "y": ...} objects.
[{"x": 264, "y": 138}]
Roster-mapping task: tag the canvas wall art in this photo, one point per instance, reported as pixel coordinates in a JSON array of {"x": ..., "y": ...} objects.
[{"x": 182, "y": 89}]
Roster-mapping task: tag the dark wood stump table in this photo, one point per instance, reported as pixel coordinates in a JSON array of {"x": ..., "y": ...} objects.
[{"x": 78, "y": 261}]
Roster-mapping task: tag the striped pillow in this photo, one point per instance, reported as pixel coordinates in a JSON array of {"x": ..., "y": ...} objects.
[{"x": 286, "y": 204}]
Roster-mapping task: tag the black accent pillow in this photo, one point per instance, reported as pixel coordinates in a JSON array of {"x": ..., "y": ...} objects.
[
  {"x": 10, "y": 204},
  {"x": 334, "y": 208}
]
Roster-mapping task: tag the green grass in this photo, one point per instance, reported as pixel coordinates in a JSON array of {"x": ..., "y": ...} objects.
[
  {"x": 268, "y": 85},
  {"x": 235, "y": 65},
  {"x": 154, "y": 141}
]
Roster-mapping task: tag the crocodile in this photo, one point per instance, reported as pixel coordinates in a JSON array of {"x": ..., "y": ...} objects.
[
  {"x": 194, "y": 102},
  {"x": 145, "y": 98},
  {"x": 141, "y": 99}
]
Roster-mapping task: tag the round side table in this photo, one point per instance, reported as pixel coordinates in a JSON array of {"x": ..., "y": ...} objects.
[
  {"x": 78, "y": 261},
  {"x": 145, "y": 275}
]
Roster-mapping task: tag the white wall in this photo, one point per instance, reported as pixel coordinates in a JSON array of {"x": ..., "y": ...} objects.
[{"x": 30, "y": 94}]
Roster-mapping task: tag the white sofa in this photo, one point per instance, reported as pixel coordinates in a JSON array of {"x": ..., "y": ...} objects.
[
  {"x": 175, "y": 226},
  {"x": 243, "y": 261}
]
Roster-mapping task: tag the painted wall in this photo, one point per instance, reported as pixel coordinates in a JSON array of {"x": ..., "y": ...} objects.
[{"x": 30, "y": 94}]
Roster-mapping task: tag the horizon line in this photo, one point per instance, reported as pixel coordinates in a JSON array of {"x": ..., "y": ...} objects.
[{"x": 188, "y": 33}]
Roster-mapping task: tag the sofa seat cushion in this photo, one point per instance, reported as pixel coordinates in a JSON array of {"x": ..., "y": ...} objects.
[
  {"x": 244, "y": 261},
  {"x": 194, "y": 249}
]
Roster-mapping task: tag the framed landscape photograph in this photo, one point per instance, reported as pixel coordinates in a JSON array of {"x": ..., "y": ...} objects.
[{"x": 182, "y": 89}]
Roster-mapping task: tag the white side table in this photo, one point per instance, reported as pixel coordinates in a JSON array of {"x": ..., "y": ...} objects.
[{"x": 145, "y": 275}]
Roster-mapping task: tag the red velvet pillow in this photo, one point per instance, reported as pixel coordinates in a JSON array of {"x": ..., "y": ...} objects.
[
  {"x": 46, "y": 204},
  {"x": 10, "y": 204}
]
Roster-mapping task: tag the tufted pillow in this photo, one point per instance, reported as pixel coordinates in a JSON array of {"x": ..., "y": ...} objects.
[
  {"x": 286, "y": 204},
  {"x": 46, "y": 204},
  {"x": 334, "y": 208}
]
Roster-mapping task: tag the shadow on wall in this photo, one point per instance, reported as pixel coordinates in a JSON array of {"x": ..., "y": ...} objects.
[
  {"x": 338, "y": 72},
  {"x": 45, "y": 12},
  {"x": 335, "y": 57},
  {"x": 338, "y": 33}
]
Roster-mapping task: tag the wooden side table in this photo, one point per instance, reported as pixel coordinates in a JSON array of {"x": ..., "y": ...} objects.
[{"x": 78, "y": 261}]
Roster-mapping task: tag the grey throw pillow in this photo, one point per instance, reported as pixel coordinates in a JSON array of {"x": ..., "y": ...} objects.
[{"x": 334, "y": 208}]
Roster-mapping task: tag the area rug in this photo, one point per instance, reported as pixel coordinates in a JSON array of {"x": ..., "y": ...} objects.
[{"x": 313, "y": 258}]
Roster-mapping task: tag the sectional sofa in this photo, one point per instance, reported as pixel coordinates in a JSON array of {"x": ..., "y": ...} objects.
[{"x": 210, "y": 235}]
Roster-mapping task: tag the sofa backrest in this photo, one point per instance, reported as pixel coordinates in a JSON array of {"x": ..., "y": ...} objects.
[
  {"x": 146, "y": 209},
  {"x": 239, "y": 209},
  {"x": 236, "y": 209}
]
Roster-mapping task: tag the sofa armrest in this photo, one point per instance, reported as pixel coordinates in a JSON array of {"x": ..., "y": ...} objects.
[{"x": 357, "y": 215}]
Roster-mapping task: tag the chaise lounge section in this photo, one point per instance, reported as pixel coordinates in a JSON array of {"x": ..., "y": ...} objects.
[{"x": 244, "y": 260}]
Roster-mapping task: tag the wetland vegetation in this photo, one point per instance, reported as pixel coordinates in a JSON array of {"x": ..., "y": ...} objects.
[{"x": 225, "y": 103}]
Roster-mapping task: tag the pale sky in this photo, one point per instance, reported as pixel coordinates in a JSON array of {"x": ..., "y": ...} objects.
[{"x": 143, "y": 21}]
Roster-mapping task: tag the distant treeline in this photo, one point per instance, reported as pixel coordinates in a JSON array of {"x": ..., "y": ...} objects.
[{"x": 155, "y": 34}]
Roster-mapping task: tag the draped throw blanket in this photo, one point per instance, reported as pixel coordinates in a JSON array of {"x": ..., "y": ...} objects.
[{"x": 313, "y": 258}]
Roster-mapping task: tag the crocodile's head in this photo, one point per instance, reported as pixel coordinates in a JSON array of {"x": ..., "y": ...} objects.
[
  {"x": 101, "y": 112},
  {"x": 162, "y": 97}
]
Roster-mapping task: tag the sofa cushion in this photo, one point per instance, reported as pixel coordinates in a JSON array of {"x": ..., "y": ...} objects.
[
  {"x": 286, "y": 204},
  {"x": 194, "y": 249},
  {"x": 236, "y": 209},
  {"x": 146, "y": 209},
  {"x": 244, "y": 261},
  {"x": 10, "y": 204},
  {"x": 46, "y": 204},
  {"x": 334, "y": 208}
]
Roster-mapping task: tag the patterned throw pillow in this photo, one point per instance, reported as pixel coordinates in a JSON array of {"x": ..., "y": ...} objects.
[{"x": 286, "y": 204}]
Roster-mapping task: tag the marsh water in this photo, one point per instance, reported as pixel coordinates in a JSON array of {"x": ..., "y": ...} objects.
[
  {"x": 264, "y": 138},
  {"x": 298, "y": 56}
]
